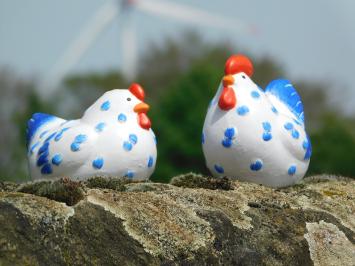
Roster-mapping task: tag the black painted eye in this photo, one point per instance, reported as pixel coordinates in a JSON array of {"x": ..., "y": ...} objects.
[
  {"x": 128, "y": 99},
  {"x": 243, "y": 76}
]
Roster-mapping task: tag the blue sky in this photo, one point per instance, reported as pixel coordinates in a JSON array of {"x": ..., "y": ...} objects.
[{"x": 313, "y": 40}]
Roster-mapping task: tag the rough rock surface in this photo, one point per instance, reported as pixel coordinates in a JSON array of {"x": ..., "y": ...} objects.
[{"x": 223, "y": 223}]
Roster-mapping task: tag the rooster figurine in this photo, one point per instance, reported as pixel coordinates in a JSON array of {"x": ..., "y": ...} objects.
[
  {"x": 113, "y": 138},
  {"x": 253, "y": 134}
]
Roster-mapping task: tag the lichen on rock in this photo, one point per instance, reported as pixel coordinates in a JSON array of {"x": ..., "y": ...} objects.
[
  {"x": 198, "y": 222},
  {"x": 328, "y": 245}
]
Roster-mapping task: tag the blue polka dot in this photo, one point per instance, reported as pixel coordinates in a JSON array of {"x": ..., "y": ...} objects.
[
  {"x": 60, "y": 134},
  {"x": 219, "y": 169},
  {"x": 291, "y": 170},
  {"x": 274, "y": 110},
  {"x": 308, "y": 153},
  {"x": 267, "y": 131},
  {"x": 242, "y": 110},
  {"x": 127, "y": 146},
  {"x": 33, "y": 147},
  {"x": 229, "y": 133},
  {"x": 75, "y": 146},
  {"x": 308, "y": 147},
  {"x": 267, "y": 126},
  {"x": 133, "y": 139},
  {"x": 257, "y": 165},
  {"x": 80, "y": 138},
  {"x": 150, "y": 161},
  {"x": 267, "y": 136},
  {"x": 98, "y": 163},
  {"x": 46, "y": 169},
  {"x": 42, "y": 159},
  {"x": 227, "y": 143},
  {"x": 129, "y": 174},
  {"x": 100, "y": 127},
  {"x": 105, "y": 106},
  {"x": 44, "y": 148},
  {"x": 255, "y": 94},
  {"x": 122, "y": 118},
  {"x": 203, "y": 138},
  {"x": 50, "y": 137},
  {"x": 43, "y": 133},
  {"x": 57, "y": 159},
  {"x": 288, "y": 126},
  {"x": 295, "y": 134}
]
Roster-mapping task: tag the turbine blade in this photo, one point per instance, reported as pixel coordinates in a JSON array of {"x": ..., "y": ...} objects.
[
  {"x": 191, "y": 15},
  {"x": 129, "y": 49},
  {"x": 79, "y": 46}
]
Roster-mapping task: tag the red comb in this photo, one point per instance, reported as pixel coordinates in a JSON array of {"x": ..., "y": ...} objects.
[
  {"x": 238, "y": 63},
  {"x": 137, "y": 91}
]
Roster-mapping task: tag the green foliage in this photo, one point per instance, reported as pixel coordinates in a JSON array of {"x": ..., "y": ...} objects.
[
  {"x": 179, "y": 119},
  {"x": 333, "y": 148}
]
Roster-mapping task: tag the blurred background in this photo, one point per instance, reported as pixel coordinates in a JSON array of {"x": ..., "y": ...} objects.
[{"x": 58, "y": 57}]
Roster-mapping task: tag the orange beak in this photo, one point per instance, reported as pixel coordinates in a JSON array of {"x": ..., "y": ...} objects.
[
  {"x": 228, "y": 80},
  {"x": 141, "y": 108}
]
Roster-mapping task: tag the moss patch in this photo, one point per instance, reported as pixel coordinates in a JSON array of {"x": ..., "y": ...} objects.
[
  {"x": 192, "y": 180},
  {"x": 117, "y": 184},
  {"x": 63, "y": 190}
]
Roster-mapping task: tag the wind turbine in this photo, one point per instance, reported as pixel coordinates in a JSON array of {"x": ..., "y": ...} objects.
[{"x": 108, "y": 12}]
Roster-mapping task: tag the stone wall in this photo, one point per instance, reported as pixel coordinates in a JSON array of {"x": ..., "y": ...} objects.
[{"x": 195, "y": 220}]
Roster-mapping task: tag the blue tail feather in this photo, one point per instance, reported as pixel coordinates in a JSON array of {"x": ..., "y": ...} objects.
[
  {"x": 286, "y": 93},
  {"x": 37, "y": 120}
]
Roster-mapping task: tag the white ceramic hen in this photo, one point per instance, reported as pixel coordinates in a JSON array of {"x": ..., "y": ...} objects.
[
  {"x": 113, "y": 138},
  {"x": 253, "y": 134}
]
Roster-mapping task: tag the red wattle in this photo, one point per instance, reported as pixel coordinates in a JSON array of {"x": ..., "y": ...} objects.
[
  {"x": 144, "y": 121},
  {"x": 227, "y": 100}
]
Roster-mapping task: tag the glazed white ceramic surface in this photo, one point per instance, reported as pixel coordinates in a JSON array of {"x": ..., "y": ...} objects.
[
  {"x": 106, "y": 141},
  {"x": 259, "y": 140}
]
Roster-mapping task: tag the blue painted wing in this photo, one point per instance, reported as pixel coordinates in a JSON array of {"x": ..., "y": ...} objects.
[
  {"x": 37, "y": 120},
  {"x": 287, "y": 94}
]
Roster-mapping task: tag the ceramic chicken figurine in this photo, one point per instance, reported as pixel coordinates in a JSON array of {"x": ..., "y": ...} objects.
[
  {"x": 253, "y": 134},
  {"x": 113, "y": 138}
]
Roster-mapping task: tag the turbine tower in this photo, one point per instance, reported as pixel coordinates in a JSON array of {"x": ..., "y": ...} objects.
[{"x": 112, "y": 9}]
